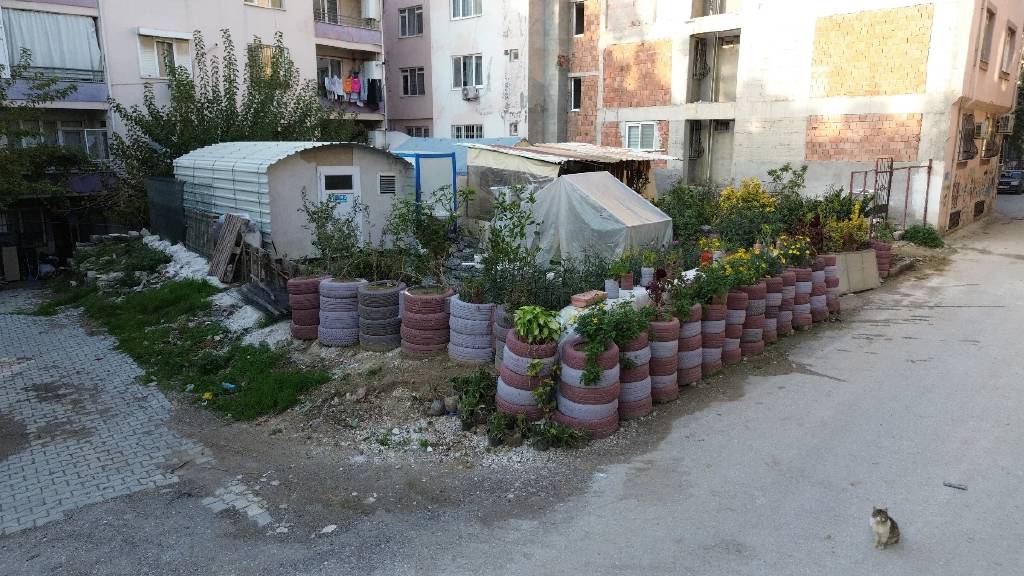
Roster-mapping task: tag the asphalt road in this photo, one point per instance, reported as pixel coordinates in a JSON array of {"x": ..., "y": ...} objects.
[{"x": 922, "y": 385}]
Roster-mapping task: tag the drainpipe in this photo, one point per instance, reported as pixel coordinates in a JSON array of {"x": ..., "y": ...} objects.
[{"x": 383, "y": 74}]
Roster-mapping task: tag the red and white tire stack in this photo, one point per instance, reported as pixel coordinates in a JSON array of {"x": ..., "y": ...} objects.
[
  {"x": 802, "y": 301},
  {"x": 304, "y": 300},
  {"x": 752, "y": 339},
  {"x": 595, "y": 407},
  {"x": 735, "y": 316},
  {"x": 712, "y": 337},
  {"x": 832, "y": 283},
  {"x": 691, "y": 356},
  {"x": 339, "y": 312},
  {"x": 819, "y": 298},
  {"x": 424, "y": 322},
  {"x": 664, "y": 341},
  {"x": 772, "y": 308},
  {"x": 515, "y": 385},
  {"x": 785, "y": 324},
  {"x": 472, "y": 332},
  {"x": 635, "y": 392},
  {"x": 883, "y": 257}
]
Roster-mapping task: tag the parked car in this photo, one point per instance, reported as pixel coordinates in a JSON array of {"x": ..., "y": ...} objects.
[{"x": 1011, "y": 182}]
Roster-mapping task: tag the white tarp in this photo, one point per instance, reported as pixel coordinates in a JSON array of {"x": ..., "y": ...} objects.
[{"x": 596, "y": 212}]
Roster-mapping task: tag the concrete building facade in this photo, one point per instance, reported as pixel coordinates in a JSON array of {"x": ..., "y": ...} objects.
[{"x": 735, "y": 88}]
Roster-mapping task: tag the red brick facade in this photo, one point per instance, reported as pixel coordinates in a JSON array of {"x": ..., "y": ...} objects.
[
  {"x": 863, "y": 137},
  {"x": 611, "y": 134},
  {"x": 584, "y": 48},
  {"x": 638, "y": 75},
  {"x": 582, "y": 124}
]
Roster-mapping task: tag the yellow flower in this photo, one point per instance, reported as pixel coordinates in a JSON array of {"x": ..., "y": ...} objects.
[{"x": 207, "y": 395}]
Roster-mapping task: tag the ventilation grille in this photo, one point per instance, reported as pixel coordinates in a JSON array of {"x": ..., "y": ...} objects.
[
  {"x": 388, "y": 183},
  {"x": 954, "y": 220},
  {"x": 979, "y": 208}
]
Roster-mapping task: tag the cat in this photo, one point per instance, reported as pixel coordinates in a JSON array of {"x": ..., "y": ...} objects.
[{"x": 885, "y": 528}]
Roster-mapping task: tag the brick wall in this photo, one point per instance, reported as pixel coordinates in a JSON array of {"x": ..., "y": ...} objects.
[
  {"x": 873, "y": 53},
  {"x": 863, "y": 137},
  {"x": 611, "y": 134},
  {"x": 638, "y": 75},
  {"x": 582, "y": 123},
  {"x": 584, "y": 48}
]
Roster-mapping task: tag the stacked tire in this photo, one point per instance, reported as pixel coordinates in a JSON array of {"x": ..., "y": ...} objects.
[
  {"x": 502, "y": 324},
  {"x": 819, "y": 298},
  {"x": 832, "y": 283},
  {"x": 635, "y": 379},
  {"x": 735, "y": 316},
  {"x": 515, "y": 385},
  {"x": 772, "y": 308},
  {"x": 339, "y": 312},
  {"x": 691, "y": 356},
  {"x": 472, "y": 332},
  {"x": 784, "y": 327},
  {"x": 304, "y": 300},
  {"x": 712, "y": 337},
  {"x": 802, "y": 300},
  {"x": 425, "y": 320},
  {"x": 593, "y": 408},
  {"x": 380, "y": 324},
  {"x": 664, "y": 339},
  {"x": 883, "y": 256},
  {"x": 752, "y": 339}
]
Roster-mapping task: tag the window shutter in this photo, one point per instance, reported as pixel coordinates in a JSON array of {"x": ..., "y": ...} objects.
[
  {"x": 182, "y": 56},
  {"x": 388, "y": 183},
  {"x": 647, "y": 136},
  {"x": 456, "y": 72},
  {"x": 148, "y": 65}
]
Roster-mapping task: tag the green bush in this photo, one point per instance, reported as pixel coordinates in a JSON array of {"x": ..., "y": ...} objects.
[
  {"x": 690, "y": 207},
  {"x": 923, "y": 235}
]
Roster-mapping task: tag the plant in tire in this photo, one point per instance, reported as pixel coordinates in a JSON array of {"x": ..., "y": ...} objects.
[
  {"x": 535, "y": 325},
  {"x": 627, "y": 324},
  {"x": 596, "y": 327},
  {"x": 427, "y": 228},
  {"x": 337, "y": 239}
]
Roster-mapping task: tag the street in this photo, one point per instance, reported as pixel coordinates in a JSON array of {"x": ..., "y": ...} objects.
[{"x": 917, "y": 387}]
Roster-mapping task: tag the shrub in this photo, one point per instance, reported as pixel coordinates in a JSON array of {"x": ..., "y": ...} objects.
[
  {"x": 691, "y": 209},
  {"x": 847, "y": 235},
  {"x": 795, "y": 251},
  {"x": 476, "y": 397},
  {"x": 537, "y": 325},
  {"x": 746, "y": 213},
  {"x": 923, "y": 235}
]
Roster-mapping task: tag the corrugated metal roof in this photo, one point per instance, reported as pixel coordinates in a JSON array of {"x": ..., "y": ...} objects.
[
  {"x": 252, "y": 156},
  {"x": 449, "y": 145},
  {"x": 560, "y": 153}
]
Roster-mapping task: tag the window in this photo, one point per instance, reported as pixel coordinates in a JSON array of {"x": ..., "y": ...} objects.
[
  {"x": 413, "y": 82},
  {"x": 62, "y": 45},
  {"x": 410, "y": 21},
  {"x": 513, "y": 55},
  {"x": 418, "y": 131},
  {"x": 1009, "y": 51},
  {"x": 266, "y": 53},
  {"x": 968, "y": 149},
  {"x": 987, "y": 32},
  {"x": 467, "y": 71},
  {"x": 575, "y": 93},
  {"x": 578, "y": 27},
  {"x": 466, "y": 8},
  {"x": 338, "y": 182},
  {"x": 157, "y": 54},
  {"x": 266, "y": 3},
  {"x": 640, "y": 135},
  {"x": 468, "y": 131},
  {"x": 513, "y": 129},
  {"x": 387, "y": 183}
]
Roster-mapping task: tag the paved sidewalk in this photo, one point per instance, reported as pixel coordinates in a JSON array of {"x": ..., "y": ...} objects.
[{"x": 75, "y": 426}]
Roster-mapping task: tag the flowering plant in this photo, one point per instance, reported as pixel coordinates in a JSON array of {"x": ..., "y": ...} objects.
[
  {"x": 795, "y": 251},
  {"x": 744, "y": 212}
]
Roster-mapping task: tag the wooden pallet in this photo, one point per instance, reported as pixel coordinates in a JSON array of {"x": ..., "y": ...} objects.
[{"x": 225, "y": 254}]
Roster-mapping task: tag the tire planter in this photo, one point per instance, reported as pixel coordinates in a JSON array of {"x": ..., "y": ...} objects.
[
  {"x": 752, "y": 348},
  {"x": 531, "y": 413},
  {"x": 425, "y": 303},
  {"x": 664, "y": 330},
  {"x": 514, "y": 372},
  {"x": 310, "y": 317},
  {"x": 339, "y": 316},
  {"x": 883, "y": 257},
  {"x": 348, "y": 305},
  {"x": 588, "y": 407},
  {"x": 712, "y": 338},
  {"x": 770, "y": 331},
  {"x": 437, "y": 321},
  {"x": 339, "y": 320},
  {"x": 690, "y": 355},
  {"x": 303, "y": 285},
  {"x": 753, "y": 324},
  {"x": 340, "y": 289},
  {"x": 380, "y": 322},
  {"x": 425, "y": 321},
  {"x": 472, "y": 332},
  {"x": 304, "y": 300},
  {"x": 304, "y": 332},
  {"x": 664, "y": 360},
  {"x": 337, "y": 336},
  {"x": 380, "y": 294},
  {"x": 596, "y": 429},
  {"x": 732, "y": 356}
]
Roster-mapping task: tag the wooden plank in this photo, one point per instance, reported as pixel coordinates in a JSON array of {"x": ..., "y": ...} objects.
[{"x": 221, "y": 263}]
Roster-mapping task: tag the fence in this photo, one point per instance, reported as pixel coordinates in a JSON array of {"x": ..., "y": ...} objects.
[
  {"x": 886, "y": 178},
  {"x": 166, "y": 216}
]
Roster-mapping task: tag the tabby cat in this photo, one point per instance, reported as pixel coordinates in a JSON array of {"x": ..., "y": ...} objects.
[{"x": 885, "y": 528}]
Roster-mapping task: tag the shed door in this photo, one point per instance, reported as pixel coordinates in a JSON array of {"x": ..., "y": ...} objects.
[{"x": 340, "y": 184}]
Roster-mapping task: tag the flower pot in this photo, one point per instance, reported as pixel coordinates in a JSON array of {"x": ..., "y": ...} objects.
[
  {"x": 519, "y": 347},
  {"x": 755, "y": 291},
  {"x": 626, "y": 282},
  {"x": 664, "y": 330},
  {"x": 646, "y": 276},
  {"x": 736, "y": 300},
  {"x": 715, "y": 311},
  {"x": 720, "y": 299},
  {"x": 611, "y": 288}
]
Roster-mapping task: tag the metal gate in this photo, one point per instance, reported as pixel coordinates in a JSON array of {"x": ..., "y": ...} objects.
[{"x": 885, "y": 179}]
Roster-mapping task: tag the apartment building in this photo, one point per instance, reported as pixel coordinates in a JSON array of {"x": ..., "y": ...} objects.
[
  {"x": 734, "y": 88},
  {"x": 471, "y": 69}
]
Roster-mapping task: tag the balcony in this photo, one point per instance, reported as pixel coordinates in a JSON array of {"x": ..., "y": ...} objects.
[
  {"x": 90, "y": 89},
  {"x": 333, "y": 28},
  {"x": 714, "y": 60}
]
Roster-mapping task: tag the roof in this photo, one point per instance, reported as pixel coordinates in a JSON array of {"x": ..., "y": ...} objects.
[
  {"x": 253, "y": 156},
  {"x": 449, "y": 145},
  {"x": 562, "y": 152}
]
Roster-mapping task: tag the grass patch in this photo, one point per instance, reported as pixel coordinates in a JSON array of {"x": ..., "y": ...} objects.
[
  {"x": 64, "y": 294},
  {"x": 132, "y": 255},
  {"x": 923, "y": 235}
]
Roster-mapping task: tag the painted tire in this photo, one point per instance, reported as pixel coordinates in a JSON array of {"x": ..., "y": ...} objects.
[
  {"x": 713, "y": 312},
  {"x": 500, "y": 333},
  {"x": 574, "y": 377},
  {"x": 735, "y": 316},
  {"x": 755, "y": 291},
  {"x": 730, "y": 344},
  {"x": 577, "y": 359},
  {"x": 803, "y": 287},
  {"x": 712, "y": 327},
  {"x": 634, "y": 374},
  {"x": 752, "y": 348},
  {"x": 389, "y": 327},
  {"x": 773, "y": 284},
  {"x": 736, "y": 300},
  {"x": 830, "y": 259},
  {"x": 692, "y": 343},
  {"x": 771, "y": 336},
  {"x": 303, "y": 332},
  {"x": 633, "y": 391},
  {"x": 773, "y": 300},
  {"x": 664, "y": 366},
  {"x": 665, "y": 394},
  {"x": 819, "y": 302},
  {"x": 752, "y": 335},
  {"x": 664, "y": 331},
  {"x": 303, "y": 285},
  {"x": 788, "y": 292},
  {"x": 819, "y": 314},
  {"x": 306, "y": 317},
  {"x": 711, "y": 368},
  {"x": 421, "y": 351},
  {"x": 470, "y": 327},
  {"x": 636, "y": 409},
  {"x": 771, "y": 312},
  {"x": 756, "y": 307},
  {"x": 304, "y": 301},
  {"x": 690, "y": 375},
  {"x": 520, "y": 348},
  {"x": 754, "y": 322},
  {"x": 802, "y": 320},
  {"x": 338, "y": 336},
  {"x": 712, "y": 340},
  {"x": 639, "y": 343},
  {"x": 785, "y": 316},
  {"x": 587, "y": 411},
  {"x": 529, "y": 412},
  {"x": 328, "y": 304},
  {"x": 518, "y": 381},
  {"x": 424, "y": 337},
  {"x": 732, "y": 357},
  {"x": 831, "y": 283},
  {"x": 468, "y": 311},
  {"x": 595, "y": 429},
  {"x": 689, "y": 329},
  {"x": 785, "y": 328},
  {"x": 471, "y": 341},
  {"x": 515, "y": 395},
  {"x": 665, "y": 349},
  {"x": 801, "y": 300},
  {"x": 331, "y": 288},
  {"x": 521, "y": 364},
  {"x": 802, "y": 274},
  {"x": 639, "y": 357},
  {"x": 831, "y": 272},
  {"x": 818, "y": 289},
  {"x": 339, "y": 320},
  {"x": 435, "y": 321},
  {"x": 426, "y": 303},
  {"x": 710, "y": 355},
  {"x": 788, "y": 278},
  {"x": 818, "y": 276},
  {"x": 734, "y": 330},
  {"x": 787, "y": 305},
  {"x": 387, "y": 313},
  {"x": 689, "y": 359},
  {"x": 589, "y": 396},
  {"x": 770, "y": 323},
  {"x": 380, "y": 343},
  {"x": 380, "y": 294}
]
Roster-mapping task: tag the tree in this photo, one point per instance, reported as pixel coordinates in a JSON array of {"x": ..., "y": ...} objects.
[
  {"x": 32, "y": 167},
  {"x": 268, "y": 101}
]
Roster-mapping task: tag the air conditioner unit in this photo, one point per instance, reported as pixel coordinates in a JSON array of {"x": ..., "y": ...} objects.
[
  {"x": 1004, "y": 124},
  {"x": 470, "y": 93}
]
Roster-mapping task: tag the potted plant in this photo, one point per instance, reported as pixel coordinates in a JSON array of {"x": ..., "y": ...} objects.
[
  {"x": 616, "y": 270},
  {"x": 624, "y": 266},
  {"x": 629, "y": 331},
  {"x": 531, "y": 352},
  {"x": 649, "y": 260},
  {"x": 536, "y": 333}
]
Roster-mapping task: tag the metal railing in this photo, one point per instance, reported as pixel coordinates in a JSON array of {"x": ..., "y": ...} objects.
[
  {"x": 333, "y": 17},
  {"x": 68, "y": 74}
]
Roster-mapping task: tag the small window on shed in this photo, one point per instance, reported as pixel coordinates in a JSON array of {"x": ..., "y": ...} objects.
[
  {"x": 338, "y": 182},
  {"x": 388, "y": 183}
]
